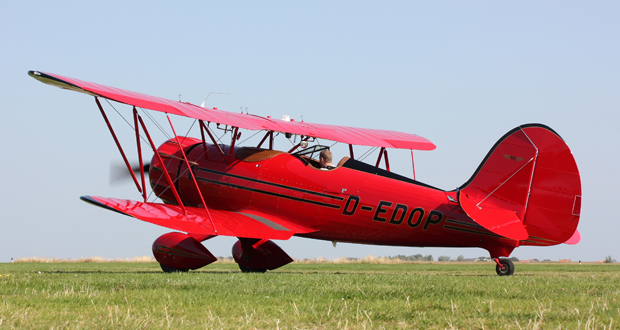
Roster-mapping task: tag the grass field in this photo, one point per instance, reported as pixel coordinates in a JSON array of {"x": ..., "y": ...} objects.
[{"x": 310, "y": 296}]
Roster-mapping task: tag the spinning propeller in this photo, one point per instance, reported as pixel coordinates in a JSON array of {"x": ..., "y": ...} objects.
[{"x": 119, "y": 172}]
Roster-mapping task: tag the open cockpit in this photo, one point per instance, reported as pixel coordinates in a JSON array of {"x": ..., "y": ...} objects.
[{"x": 309, "y": 157}]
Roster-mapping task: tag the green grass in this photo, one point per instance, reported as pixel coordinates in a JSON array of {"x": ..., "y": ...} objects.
[{"x": 310, "y": 296}]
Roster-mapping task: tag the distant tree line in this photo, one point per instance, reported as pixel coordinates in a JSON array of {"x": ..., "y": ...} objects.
[{"x": 417, "y": 257}]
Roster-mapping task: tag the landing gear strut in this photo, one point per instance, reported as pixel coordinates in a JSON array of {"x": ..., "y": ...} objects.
[{"x": 504, "y": 267}]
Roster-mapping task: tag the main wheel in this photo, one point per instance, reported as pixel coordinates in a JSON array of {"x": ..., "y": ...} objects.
[
  {"x": 168, "y": 269},
  {"x": 245, "y": 269},
  {"x": 507, "y": 268}
]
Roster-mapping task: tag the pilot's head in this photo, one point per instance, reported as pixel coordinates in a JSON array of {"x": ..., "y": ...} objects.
[{"x": 325, "y": 158}]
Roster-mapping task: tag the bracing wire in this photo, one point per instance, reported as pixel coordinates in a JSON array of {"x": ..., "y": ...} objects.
[
  {"x": 133, "y": 128},
  {"x": 205, "y": 151},
  {"x": 367, "y": 153},
  {"x": 184, "y": 137},
  {"x": 161, "y": 129},
  {"x": 148, "y": 115},
  {"x": 219, "y": 139},
  {"x": 190, "y": 128},
  {"x": 253, "y": 135}
]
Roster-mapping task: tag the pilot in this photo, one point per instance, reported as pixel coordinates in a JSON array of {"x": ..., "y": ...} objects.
[{"x": 325, "y": 160}]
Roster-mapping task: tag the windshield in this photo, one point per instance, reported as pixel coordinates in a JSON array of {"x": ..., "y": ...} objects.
[{"x": 309, "y": 152}]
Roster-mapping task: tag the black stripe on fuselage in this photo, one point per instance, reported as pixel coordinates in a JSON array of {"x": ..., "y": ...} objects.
[
  {"x": 468, "y": 224},
  {"x": 539, "y": 243},
  {"x": 157, "y": 168},
  {"x": 472, "y": 231},
  {"x": 544, "y": 240},
  {"x": 269, "y": 193},
  {"x": 338, "y": 198}
]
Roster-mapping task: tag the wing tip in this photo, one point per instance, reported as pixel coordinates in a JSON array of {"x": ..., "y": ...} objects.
[
  {"x": 91, "y": 200},
  {"x": 56, "y": 81}
]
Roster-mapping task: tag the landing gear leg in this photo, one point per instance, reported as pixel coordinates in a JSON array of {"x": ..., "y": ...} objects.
[{"x": 504, "y": 267}]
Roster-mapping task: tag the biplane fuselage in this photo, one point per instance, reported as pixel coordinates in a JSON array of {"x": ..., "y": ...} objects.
[{"x": 342, "y": 205}]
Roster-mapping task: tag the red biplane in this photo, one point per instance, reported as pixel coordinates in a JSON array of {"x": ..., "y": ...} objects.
[{"x": 526, "y": 191}]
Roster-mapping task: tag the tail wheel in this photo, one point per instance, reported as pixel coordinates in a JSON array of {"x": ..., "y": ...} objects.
[
  {"x": 168, "y": 269},
  {"x": 504, "y": 267},
  {"x": 245, "y": 269}
]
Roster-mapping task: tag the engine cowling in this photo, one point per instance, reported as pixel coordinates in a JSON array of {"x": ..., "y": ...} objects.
[
  {"x": 172, "y": 157},
  {"x": 265, "y": 256},
  {"x": 180, "y": 252}
]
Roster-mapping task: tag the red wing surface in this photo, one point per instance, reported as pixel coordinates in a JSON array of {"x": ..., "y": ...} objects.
[
  {"x": 344, "y": 134},
  {"x": 196, "y": 220}
]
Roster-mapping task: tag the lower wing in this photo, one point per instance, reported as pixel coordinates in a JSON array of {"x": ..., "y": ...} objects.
[{"x": 195, "y": 220}]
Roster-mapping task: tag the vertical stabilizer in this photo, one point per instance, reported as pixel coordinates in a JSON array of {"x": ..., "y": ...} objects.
[{"x": 527, "y": 188}]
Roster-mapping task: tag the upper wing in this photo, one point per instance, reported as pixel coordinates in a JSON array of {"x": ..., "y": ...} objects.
[
  {"x": 196, "y": 220},
  {"x": 349, "y": 135}
]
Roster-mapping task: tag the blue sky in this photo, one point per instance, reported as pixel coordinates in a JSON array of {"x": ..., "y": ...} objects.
[{"x": 460, "y": 74}]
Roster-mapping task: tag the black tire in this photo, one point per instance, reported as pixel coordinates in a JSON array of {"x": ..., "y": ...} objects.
[
  {"x": 507, "y": 269},
  {"x": 245, "y": 269},
  {"x": 167, "y": 269}
]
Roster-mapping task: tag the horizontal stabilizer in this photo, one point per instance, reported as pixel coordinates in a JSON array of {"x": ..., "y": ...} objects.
[
  {"x": 197, "y": 221},
  {"x": 576, "y": 238},
  {"x": 499, "y": 221}
]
